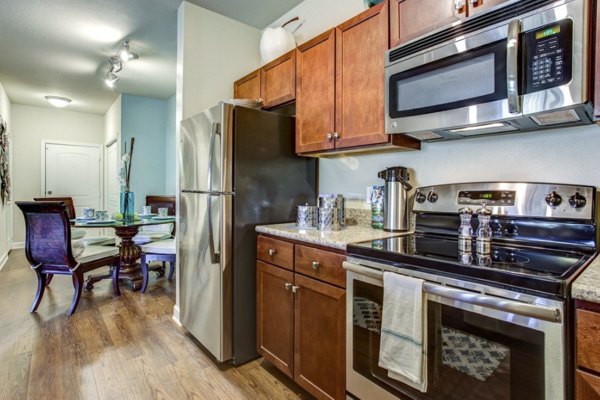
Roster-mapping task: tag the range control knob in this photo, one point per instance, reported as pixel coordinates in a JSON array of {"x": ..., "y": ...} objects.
[
  {"x": 553, "y": 199},
  {"x": 577, "y": 201},
  {"x": 432, "y": 197},
  {"x": 420, "y": 197}
]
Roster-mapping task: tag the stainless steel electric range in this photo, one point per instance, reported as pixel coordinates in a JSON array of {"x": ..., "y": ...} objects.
[{"x": 498, "y": 260}]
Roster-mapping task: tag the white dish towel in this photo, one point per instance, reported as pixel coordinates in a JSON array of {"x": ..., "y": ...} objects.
[{"x": 403, "y": 346}]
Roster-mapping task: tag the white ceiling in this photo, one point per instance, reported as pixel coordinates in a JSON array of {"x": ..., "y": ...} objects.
[{"x": 61, "y": 47}]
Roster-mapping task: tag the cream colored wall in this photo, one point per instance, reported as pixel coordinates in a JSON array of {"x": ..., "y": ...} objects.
[
  {"x": 5, "y": 111},
  {"x": 214, "y": 51},
  {"x": 31, "y": 125}
]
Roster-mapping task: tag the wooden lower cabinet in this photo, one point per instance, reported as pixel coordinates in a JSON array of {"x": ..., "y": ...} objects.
[
  {"x": 587, "y": 386},
  {"x": 275, "y": 316},
  {"x": 587, "y": 343},
  {"x": 301, "y": 322},
  {"x": 319, "y": 332}
]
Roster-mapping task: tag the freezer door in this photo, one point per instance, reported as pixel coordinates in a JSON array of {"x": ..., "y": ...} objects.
[
  {"x": 200, "y": 151},
  {"x": 205, "y": 309}
]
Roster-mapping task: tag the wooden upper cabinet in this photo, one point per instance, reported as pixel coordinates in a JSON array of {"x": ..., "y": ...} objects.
[
  {"x": 596, "y": 67},
  {"x": 412, "y": 18},
  {"x": 278, "y": 80},
  {"x": 275, "y": 316},
  {"x": 361, "y": 43},
  {"x": 319, "y": 330},
  {"x": 247, "y": 87},
  {"x": 477, "y": 6},
  {"x": 315, "y": 93}
]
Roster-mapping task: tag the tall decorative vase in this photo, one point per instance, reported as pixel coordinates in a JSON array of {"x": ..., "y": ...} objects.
[{"x": 127, "y": 205}]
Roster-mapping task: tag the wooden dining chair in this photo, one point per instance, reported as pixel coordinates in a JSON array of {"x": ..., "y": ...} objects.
[
  {"x": 67, "y": 200},
  {"x": 49, "y": 251}
]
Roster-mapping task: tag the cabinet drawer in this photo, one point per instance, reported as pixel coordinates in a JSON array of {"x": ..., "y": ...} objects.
[
  {"x": 587, "y": 386},
  {"x": 320, "y": 264},
  {"x": 588, "y": 339},
  {"x": 275, "y": 252}
]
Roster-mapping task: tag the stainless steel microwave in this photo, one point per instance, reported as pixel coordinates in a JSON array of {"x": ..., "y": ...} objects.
[{"x": 519, "y": 67}]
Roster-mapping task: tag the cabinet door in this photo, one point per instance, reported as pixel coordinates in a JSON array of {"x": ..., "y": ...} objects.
[
  {"x": 587, "y": 386},
  {"x": 477, "y": 6},
  {"x": 596, "y": 67},
  {"x": 247, "y": 87},
  {"x": 278, "y": 80},
  {"x": 319, "y": 338},
  {"x": 360, "y": 111},
  {"x": 275, "y": 316},
  {"x": 315, "y": 93},
  {"x": 412, "y": 18}
]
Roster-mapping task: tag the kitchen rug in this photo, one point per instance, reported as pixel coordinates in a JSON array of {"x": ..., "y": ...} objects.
[
  {"x": 471, "y": 355},
  {"x": 366, "y": 314}
]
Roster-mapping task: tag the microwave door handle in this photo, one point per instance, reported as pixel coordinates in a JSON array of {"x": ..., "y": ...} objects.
[{"x": 512, "y": 67}]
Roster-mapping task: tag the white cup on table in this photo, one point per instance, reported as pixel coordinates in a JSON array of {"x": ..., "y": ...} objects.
[{"x": 163, "y": 212}]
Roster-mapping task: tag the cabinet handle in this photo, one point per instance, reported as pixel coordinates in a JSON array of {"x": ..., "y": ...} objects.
[
  {"x": 329, "y": 137},
  {"x": 288, "y": 286},
  {"x": 272, "y": 252},
  {"x": 295, "y": 289},
  {"x": 315, "y": 265}
]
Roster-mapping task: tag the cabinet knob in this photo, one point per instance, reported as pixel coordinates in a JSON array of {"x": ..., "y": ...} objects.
[
  {"x": 315, "y": 265},
  {"x": 329, "y": 137},
  {"x": 458, "y": 5},
  {"x": 288, "y": 286},
  {"x": 295, "y": 289},
  {"x": 272, "y": 252},
  {"x": 336, "y": 135},
  {"x": 475, "y": 3}
]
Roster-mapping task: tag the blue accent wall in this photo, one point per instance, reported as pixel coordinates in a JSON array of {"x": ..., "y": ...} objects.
[{"x": 147, "y": 120}]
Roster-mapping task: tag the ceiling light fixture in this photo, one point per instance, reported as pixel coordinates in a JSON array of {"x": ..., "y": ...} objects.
[
  {"x": 125, "y": 54},
  {"x": 58, "y": 101},
  {"x": 111, "y": 79},
  {"x": 116, "y": 64}
]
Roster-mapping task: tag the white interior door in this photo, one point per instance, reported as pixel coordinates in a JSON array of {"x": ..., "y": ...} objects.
[
  {"x": 112, "y": 183},
  {"x": 75, "y": 171}
]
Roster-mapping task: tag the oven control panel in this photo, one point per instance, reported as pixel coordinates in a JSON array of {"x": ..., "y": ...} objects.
[
  {"x": 547, "y": 56},
  {"x": 519, "y": 199}
]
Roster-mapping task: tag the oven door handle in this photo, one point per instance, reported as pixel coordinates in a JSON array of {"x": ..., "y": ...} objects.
[
  {"x": 549, "y": 314},
  {"x": 512, "y": 67}
]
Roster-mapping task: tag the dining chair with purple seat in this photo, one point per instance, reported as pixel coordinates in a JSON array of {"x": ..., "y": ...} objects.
[{"x": 49, "y": 251}]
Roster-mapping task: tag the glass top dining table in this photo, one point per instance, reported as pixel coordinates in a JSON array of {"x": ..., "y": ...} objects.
[{"x": 128, "y": 250}]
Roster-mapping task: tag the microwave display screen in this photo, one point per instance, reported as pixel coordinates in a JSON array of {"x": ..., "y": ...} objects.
[
  {"x": 547, "y": 32},
  {"x": 547, "y": 54},
  {"x": 499, "y": 198}
]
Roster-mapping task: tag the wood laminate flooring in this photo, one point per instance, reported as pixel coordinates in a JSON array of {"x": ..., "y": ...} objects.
[{"x": 112, "y": 348}]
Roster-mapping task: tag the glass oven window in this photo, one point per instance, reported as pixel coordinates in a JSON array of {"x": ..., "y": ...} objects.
[
  {"x": 471, "y": 77},
  {"x": 470, "y": 356}
]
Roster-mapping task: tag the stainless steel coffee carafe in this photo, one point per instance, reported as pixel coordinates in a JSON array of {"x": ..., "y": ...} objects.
[{"x": 395, "y": 202}]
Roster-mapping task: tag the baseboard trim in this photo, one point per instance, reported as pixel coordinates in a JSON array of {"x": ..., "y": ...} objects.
[
  {"x": 18, "y": 245},
  {"x": 176, "y": 315},
  {"x": 3, "y": 260}
]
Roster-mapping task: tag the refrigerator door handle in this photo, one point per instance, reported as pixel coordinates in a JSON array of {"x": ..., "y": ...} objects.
[
  {"x": 211, "y": 154},
  {"x": 215, "y": 257}
]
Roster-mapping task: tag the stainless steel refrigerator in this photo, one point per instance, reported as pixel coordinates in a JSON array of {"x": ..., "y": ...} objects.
[{"x": 238, "y": 169}]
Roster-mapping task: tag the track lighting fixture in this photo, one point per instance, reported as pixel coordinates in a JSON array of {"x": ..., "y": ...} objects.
[{"x": 116, "y": 64}]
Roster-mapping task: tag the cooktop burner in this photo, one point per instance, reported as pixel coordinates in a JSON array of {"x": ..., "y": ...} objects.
[{"x": 537, "y": 269}]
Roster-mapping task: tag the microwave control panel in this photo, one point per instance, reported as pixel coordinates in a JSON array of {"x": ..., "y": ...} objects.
[{"x": 547, "y": 53}]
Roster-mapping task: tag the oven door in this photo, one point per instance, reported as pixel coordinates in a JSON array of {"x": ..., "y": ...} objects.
[{"x": 475, "y": 350}]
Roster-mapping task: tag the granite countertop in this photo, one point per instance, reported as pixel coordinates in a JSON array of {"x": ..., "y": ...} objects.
[
  {"x": 335, "y": 239},
  {"x": 587, "y": 285}
]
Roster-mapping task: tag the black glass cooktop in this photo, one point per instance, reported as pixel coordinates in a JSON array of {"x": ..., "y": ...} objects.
[{"x": 537, "y": 269}]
